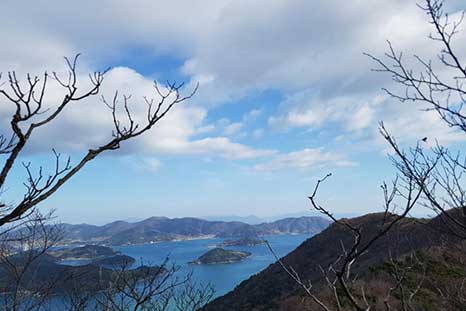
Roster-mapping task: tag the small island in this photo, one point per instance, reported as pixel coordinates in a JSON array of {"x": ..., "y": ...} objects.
[
  {"x": 248, "y": 241},
  {"x": 220, "y": 256}
]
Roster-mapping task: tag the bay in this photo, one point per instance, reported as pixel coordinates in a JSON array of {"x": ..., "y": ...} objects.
[{"x": 223, "y": 277}]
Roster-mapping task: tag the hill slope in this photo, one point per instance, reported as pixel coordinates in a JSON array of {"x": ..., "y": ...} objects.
[{"x": 269, "y": 289}]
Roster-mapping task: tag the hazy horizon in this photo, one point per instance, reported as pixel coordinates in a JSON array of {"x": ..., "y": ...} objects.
[{"x": 249, "y": 219}]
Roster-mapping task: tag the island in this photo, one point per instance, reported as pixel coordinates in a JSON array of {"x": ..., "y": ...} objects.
[
  {"x": 94, "y": 272},
  {"x": 248, "y": 241},
  {"x": 87, "y": 252},
  {"x": 100, "y": 256},
  {"x": 116, "y": 261},
  {"x": 220, "y": 256}
]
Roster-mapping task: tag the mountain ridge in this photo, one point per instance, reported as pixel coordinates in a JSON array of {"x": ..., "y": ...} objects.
[{"x": 157, "y": 229}]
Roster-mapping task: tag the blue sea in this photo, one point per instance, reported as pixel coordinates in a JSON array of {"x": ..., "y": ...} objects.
[{"x": 224, "y": 277}]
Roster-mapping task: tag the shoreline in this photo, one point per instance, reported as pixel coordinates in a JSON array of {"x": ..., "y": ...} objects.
[{"x": 180, "y": 239}]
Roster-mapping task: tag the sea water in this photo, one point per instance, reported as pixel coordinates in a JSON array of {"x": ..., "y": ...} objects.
[{"x": 223, "y": 277}]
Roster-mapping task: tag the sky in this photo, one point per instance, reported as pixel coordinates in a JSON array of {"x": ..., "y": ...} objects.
[{"x": 285, "y": 96}]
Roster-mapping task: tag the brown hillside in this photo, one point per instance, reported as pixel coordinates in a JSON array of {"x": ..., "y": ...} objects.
[{"x": 268, "y": 289}]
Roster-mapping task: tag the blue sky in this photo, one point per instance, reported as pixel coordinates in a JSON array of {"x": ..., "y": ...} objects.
[{"x": 286, "y": 96}]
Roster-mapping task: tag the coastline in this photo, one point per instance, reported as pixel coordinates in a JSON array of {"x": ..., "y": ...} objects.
[{"x": 178, "y": 239}]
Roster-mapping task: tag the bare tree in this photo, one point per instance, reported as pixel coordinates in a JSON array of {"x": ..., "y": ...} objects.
[
  {"x": 426, "y": 177},
  {"x": 192, "y": 296},
  {"x": 146, "y": 288},
  {"x": 31, "y": 279},
  {"x": 438, "y": 172},
  {"x": 30, "y": 114},
  {"x": 24, "y": 236},
  {"x": 21, "y": 251}
]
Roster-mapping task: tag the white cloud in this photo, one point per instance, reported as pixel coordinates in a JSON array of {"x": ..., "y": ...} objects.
[
  {"x": 303, "y": 160},
  {"x": 252, "y": 115},
  {"x": 221, "y": 146},
  {"x": 229, "y": 48},
  {"x": 309, "y": 110},
  {"x": 258, "y": 133},
  {"x": 409, "y": 125},
  {"x": 233, "y": 128},
  {"x": 205, "y": 129},
  {"x": 88, "y": 124},
  {"x": 360, "y": 116},
  {"x": 307, "y": 49}
]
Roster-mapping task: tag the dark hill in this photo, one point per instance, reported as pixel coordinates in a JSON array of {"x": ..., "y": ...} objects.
[{"x": 269, "y": 288}]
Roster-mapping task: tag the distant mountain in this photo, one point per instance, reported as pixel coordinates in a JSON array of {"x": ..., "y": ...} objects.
[
  {"x": 294, "y": 225},
  {"x": 273, "y": 289},
  {"x": 307, "y": 213},
  {"x": 250, "y": 220},
  {"x": 156, "y": 229}
]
